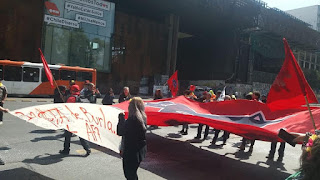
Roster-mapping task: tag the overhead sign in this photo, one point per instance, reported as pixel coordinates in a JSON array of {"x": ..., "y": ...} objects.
[
  {"x": 95, "y": 3},
  {"x": 74, "y": 7},
  {"x": 91, "y": 20},
  {"x": 61, "y": 21},
  {"x": 52, "y": 8}
]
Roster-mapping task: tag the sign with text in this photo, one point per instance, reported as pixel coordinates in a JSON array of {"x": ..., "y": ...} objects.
[
  {"x": 52, "y": 8},
  {"x": 78, "y": 8},
  {"x": 90, "y": 20},
  {"x": 61, "y": 21},
  {"x": 95, "y": 123},
  {"x": 95, "y": 3}
]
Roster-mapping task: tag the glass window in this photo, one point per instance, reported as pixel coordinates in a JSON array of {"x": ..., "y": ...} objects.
[
  {"x": 54, "y": 72},
  {"x": 312, "y": 66},
  {"x": 82, "y": 76},
  {"x": 306, "y": 65},
  {"x": 67, "y": 75},
  {"x": 12, "y": 73},
  {"x": 81, "y": 44},
  {"x": 30, "y": 74},
  {"x": 1, "y": 72}
]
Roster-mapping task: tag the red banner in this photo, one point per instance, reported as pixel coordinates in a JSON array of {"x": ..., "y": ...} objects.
[{"x": 251, "y": 119}]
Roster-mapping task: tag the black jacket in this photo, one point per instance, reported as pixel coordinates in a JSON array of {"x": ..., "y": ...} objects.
[
  {"x": 123, "y": 98},
  {"x": 108, "y": 99},
  {"x": 135, "y": 143}
]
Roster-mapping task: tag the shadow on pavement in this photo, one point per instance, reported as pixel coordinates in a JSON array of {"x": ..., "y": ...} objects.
[
  {"x": 17, "y": 173},
  {"x": 273, "y": 165},
  {"x": 44, "y": 131},
  {"x": 174, "y": 135},
  {"x": 4, "y": 148},
  {"x": 48, "y": 138},
  {"x": 48, "y": 159},
  {"x": 241, "y": 155},
  {"x": 173, "y": 159}
]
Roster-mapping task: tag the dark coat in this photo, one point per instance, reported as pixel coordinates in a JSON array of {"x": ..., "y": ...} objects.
[
  {"x": 108, "y": 99},
  {"x": 134, "y": 143},
  {"x": 123, "y": 98}
]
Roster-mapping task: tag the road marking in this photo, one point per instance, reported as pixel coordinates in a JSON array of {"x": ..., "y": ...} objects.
[{"x": 42, "y": 101}]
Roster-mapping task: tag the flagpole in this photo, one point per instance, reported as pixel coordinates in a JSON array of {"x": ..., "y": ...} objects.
[
  {"x": 58, "y": 89},
  {"x": 308, "y": 105}
]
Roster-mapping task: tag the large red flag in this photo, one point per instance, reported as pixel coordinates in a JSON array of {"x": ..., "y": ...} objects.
[
  {"x": 173, "y": 84},
  {"x": 290, "y": 86},
  {"x": 46, "y": 69}
]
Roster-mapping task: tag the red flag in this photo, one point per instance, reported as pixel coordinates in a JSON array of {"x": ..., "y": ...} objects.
[
  {"x": 173, "y": 84},
  {"x": 46, "y": 69},
  {"x": 290, "y": 86}
]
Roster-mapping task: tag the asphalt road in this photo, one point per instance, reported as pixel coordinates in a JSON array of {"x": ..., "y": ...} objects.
[{"x": 30, "y": 152}]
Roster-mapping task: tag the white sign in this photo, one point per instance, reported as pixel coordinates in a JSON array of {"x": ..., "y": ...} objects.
[
  {"x": 61, "y": 21},
  {"x": 91, "y": 20},
  {"x": 74, "y": 7},
  {"x": 95, "y": 3},
  {"x": 95, "y": 123}
]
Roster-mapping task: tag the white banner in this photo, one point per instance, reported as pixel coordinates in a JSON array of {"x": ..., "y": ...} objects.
[
  {"x": 95, "y": 3},
  {"x": 74, "y": 7},
  {"x": 61, "y": 21},
  {"x": 91, "y": 20},
  {"x": 95, "y": 123}
]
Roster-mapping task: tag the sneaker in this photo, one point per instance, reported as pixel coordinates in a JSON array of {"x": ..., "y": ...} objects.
[
  {"x": 241, "y": 148},
  {"x": 88, "y": 152},
  {"x": 1, "y": 162},
  {"x": 197, "y": 137},
  {"x": 185, "y": 133},
  {"x": 64, "y": 152},
  {"x": 182, "y": 131},
  {"x": 1, "y": 122}
]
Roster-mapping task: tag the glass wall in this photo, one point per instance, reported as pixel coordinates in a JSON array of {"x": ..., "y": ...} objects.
[{"x": 78, "y": 33}]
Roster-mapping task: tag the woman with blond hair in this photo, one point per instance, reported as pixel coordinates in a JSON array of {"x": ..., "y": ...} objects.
[{"x": 133, "y": 132}]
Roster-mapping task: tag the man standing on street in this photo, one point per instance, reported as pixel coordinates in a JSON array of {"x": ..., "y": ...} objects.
[{"x": 3, "y": 96}]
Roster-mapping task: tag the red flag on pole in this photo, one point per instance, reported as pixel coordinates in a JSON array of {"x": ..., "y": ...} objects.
[
  {"x": 290, "y": 86},
  {"x": 173, "y": 84},
  {"x": 46, "y": 69}
]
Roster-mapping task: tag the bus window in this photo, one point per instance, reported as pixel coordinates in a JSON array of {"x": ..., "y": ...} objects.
[
  {"x": 67, "y": 75},
  {"x": 31, "y": 74},
  {"x": 12, "y": 73},
  {"x": 55, "y": 74},
  {"x": 1, "y": 72},
  {"x": 82, "y": 76}
]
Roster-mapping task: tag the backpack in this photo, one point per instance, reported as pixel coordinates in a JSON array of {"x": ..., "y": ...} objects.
[{"x": 3, "y": 92}]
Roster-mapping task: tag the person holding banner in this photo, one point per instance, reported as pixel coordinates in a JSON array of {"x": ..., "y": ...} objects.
[
  {"x": 75, "y": 97},
  {"x": 3, "y": 96},
  {"x": 134, "y": 143},
  {"x": 3, "y": 110}
]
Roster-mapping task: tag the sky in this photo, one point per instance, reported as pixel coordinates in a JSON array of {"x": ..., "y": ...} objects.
[{"x": 291, "y": 4}]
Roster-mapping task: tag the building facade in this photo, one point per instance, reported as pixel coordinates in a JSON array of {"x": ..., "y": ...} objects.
[
  {"x": 310, "y": 15},
  {"x": 134, "y": 42}
]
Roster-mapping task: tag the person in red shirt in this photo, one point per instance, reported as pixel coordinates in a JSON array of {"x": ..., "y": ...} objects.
[{"x": 75, "y": 95}]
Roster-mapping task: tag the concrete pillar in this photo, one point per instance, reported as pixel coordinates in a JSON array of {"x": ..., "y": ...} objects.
[{"x": 173, "y": 31}]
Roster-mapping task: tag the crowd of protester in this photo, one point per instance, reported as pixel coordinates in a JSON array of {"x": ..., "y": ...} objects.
[{"x": 133, "y": 130}]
